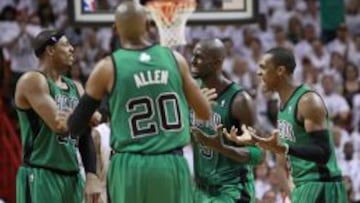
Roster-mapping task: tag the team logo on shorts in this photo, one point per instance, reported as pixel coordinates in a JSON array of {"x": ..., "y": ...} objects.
[{"x": 206, "y": 152}]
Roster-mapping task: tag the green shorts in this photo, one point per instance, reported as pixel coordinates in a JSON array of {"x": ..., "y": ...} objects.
[
  {"x": 240, "y": 193},
  {"x": 34, "y": 185},
  {"x": 139, "y": 178},
  {"x": 324, "y": 192}
]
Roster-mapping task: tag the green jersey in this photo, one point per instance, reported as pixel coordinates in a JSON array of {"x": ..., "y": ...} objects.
[
  {"x": 211, "y": 167},
  {"x": 293, "y": 132},
  {"x": 41, "y": 146},
  {"x": 149, "y": 111}
]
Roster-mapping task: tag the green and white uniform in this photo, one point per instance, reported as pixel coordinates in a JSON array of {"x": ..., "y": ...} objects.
[
  {"x": 149, "y": 127},
  {"x": 220, "y": 179},
  {"x": 313, "y": 182},
  {"x": 50, "y": 169}
]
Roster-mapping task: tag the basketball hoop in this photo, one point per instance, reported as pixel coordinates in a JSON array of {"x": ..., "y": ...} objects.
[{"x": 170, "y": 17}]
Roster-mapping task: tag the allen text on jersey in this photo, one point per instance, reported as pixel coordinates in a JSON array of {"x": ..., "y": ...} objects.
[{"x": 151, "y": 77}]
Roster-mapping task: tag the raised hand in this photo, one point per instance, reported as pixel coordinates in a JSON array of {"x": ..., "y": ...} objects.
[
  {"x": 244, "y": 139},
  {"x": 271, "y": 143},
  {"x": 210, "y": 94},
  {"x": 95, "y": 119}
]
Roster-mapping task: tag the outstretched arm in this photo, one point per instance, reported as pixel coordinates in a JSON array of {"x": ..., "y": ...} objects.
[
  {"x": 312, "y": 112},
  {"x": 215, "y": 142},
  {"x": 242, "y": 111}
]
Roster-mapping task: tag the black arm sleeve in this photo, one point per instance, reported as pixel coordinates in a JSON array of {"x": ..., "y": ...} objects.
[
  {"x": 87, "y": 151},
  {"x": 318, "y": 151},
  {"x": 79, "y": 120}
]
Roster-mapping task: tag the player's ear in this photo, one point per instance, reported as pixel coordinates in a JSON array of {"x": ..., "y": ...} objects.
[
  {"x": 50, "y": 50},
  {"x": 281, "y": 70}
]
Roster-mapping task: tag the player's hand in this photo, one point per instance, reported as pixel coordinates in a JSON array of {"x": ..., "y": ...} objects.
[
  {"x": 271, "y": 143},
  {"x": 95, "y": 119},
  {"x": 211, "y": 141},
  {"x": 62, "y": 117},
  {"x": 244, "y": 139},
  {"x": 210, "y": 95},
  {"x": 92, "y": 188}
]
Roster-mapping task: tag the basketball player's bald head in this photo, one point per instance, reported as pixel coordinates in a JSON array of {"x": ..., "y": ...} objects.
[
  {"x": 213, "y": 48},
  {"x": 130, "y": 20},
  {"x": 209, "y": 55}
]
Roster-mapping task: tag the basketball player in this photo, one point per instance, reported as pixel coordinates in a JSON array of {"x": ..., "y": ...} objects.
[
  {"x": 303, "y": 134},
  {"x": 150, "y": 89},
  {"x": 223, "y": 173},
  {"x": 50, "y": 169}
]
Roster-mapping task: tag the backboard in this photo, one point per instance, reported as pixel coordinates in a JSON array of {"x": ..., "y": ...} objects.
[{"x": 93, "y": 12}]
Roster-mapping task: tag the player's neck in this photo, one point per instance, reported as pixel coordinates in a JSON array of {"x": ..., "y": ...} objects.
[
  {"x": 287, "y": 89},
  {"x": 135, "y": 43},
  {"x": 219, "y": 82},
  {"x": 50, "y": 70}
]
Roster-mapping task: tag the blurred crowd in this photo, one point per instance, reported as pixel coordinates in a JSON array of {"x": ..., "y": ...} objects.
[{"x": 330, "y": 64}]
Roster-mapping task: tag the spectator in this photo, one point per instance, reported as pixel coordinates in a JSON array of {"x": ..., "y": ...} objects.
[
  {"x": 336, "y": 104},
  {"x": 304, "y": 46},
  {"x": 354, "y": 51},
  {"x": 353, "y": 16},
  {"x": 263, "y": 32},
  {"x": 319, "y": 56},
  {"x": 17, "y": 41},
  {"x": 311, "y": 15},
  {"x": 342, "y": 42},
  {"x": 92, "y": 52},
  {"x": 230, "y": 55},
  {"x": 241, "y": 73},
  {"x": 261, "y": 180},
  {"x": 351, "y": 84},
  {"x": 256, "y": 52},
  {"x": 46, "y": 15},
  {"x": 295, "y": 29},
  {"x": 281, "y": 40}
]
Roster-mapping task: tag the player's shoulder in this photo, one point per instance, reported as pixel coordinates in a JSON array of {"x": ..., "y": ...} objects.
[
  {"x": 105, "y": 63},
  {"x": 177, "y": 55},
  {"x": 181, "y": 61},
  {"x": 310, "y": 98},
  {"x": 311, "y": 103},
  {"x": 32, "y": 78},
  {"x": 241, "y": 96}
]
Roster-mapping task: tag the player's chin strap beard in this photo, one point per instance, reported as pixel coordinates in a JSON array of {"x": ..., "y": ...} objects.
[{"x": 49, "y": 42}]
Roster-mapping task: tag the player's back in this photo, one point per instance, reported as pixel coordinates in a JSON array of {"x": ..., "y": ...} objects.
[{"x": 149, "y": 111}]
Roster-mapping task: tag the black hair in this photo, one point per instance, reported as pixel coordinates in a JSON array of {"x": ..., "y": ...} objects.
[
  {"x": 44, "y": 39},
  {"x": 283, "y": 57},
  {"x": 8, "y": 10}
]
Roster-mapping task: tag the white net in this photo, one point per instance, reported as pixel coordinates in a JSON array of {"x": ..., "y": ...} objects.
[{"x": 170, "y": 18}]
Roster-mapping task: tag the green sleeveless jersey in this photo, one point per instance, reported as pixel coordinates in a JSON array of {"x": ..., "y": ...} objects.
[
  {"x": 293, "y": 132},
  {"x": 149, "y": 111},
  {"x": 41, "y": 146},
  {"x": 210, "y": 166}
]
